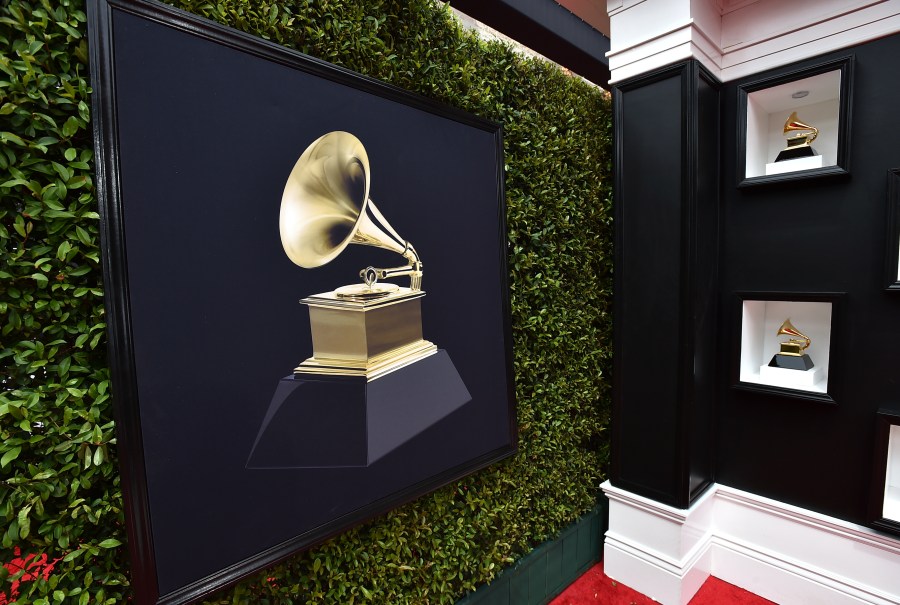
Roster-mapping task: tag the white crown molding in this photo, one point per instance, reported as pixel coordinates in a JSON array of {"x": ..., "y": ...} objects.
[{"x": 737, "y": 38}]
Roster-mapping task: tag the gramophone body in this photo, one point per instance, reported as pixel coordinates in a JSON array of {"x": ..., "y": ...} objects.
[
  {"x": 365, "y": 337},
  {"x": 799, "y": 141},
  {"x": 791, "y": 355}
]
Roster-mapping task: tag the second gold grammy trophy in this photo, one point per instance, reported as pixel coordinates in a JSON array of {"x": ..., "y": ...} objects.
[
  {"x": 791, "y": 354},
  {"x": 799, "y": 135}
]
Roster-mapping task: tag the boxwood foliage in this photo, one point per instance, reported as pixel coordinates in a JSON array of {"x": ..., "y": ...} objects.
[{"x": 59, "y": 485}]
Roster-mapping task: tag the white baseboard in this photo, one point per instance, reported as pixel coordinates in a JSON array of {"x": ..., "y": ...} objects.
[{"x": 781, "y": 552}]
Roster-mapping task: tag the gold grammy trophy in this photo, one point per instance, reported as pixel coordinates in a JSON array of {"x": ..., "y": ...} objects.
[
  {"x": 373, "y": 383},
  {"x": 798, "y": 143},
  {"x": 364, "y": 329},
  {"x": 791, "y": 355}
]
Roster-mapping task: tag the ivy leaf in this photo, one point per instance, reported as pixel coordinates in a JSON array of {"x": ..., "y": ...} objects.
[
  {"x": 70, "y": 127},
  {"x": 8, "y": 137},
  {"x": 109, "y": 543},
  {"x": 10, "y": 455}
]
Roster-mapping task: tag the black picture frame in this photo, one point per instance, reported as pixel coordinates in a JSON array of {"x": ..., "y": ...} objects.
[
  {"x": 842, "y": 166},
  {"x": 892, "y": 248},
  {"x": 887, "y": 416},
  {"x": 197, "y": 302},
  {"x": 835, "y": 299}
]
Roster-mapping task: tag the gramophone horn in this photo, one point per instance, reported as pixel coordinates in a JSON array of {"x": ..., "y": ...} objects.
[{"x": 325, "y": 207}]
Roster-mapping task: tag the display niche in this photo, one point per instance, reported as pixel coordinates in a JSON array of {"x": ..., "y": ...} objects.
[
  {"x": 795, "y": 125},
  {"x": 884, "y": 507},
  {"x": 786, "y": 343}
]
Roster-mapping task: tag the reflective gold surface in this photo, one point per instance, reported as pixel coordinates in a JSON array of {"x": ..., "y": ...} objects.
[
  {"x": 804, "y": 133},
  {"x": 326, "y": 206},
  {"x": 365, "y": 329},
  {"x": 792, "y": 346},
  {"x": 365, "y": 337}
]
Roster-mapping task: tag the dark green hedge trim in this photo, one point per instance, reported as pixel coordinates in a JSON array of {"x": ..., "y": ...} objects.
[
  {"x": 59, "y": 486},
  {"x": 541, "y": 575}
]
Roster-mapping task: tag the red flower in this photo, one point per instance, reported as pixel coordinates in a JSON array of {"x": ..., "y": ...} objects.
[{"x": 31, "y": 567}]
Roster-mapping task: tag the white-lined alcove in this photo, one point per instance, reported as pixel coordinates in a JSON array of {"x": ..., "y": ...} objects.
[
  {"x": 891, "y": 507},
  {"x": 760, "y": 322},
  {"x": 769, "y": 108}
]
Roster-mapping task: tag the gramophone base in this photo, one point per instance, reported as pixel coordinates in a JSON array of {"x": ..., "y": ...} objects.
[
  {"x": 332, "y": 421},
  {"x": 791, "y": 362},
  {"x": 793, "y": 153},
  {"x": 370, "y": 368},
  {"x": 367, "y": 337}
]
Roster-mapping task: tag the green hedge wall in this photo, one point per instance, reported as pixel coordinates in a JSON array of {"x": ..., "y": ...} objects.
[{"x": 60, "y": 500}]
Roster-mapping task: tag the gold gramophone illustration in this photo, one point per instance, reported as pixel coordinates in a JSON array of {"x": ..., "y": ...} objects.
[
  {"x": 791, "y": 355},
  {"x": 800, "y": 136},
  {"x": 362, "y": 329},
  {"x": 373, "y": 383}
]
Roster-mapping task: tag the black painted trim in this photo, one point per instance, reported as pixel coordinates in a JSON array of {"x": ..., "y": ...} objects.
[
  {"x": 887, "y": 416},
  {"x": 892, "y": 243},
  {"x": 116, "y": 300},
  {"x": 692, "y": 233},
  {"x": 506, "y": 299},
  {"x": 842, "y": 168},
  {"x": 118, "y": 306},
  {"x": 837, "y": 300},
  {"x": 687, "y": 345}
]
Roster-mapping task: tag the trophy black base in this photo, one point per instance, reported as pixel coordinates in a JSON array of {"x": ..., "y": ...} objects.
[
  {"x": 325, "y": 421},
  {"x": 791, "y": 362},
  {"x": 792, "y": 153}
]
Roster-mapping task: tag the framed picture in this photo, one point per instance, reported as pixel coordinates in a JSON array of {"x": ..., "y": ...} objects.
[
  {"x": 884, "y": 500},
  {"x": 786, "y": 342},
  {"x": 892, "y": 250},
  {"x": 307, "y": 294},
  {"x": 795, "y": 125}
]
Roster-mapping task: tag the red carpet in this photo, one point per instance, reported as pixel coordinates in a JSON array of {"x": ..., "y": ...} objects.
[{"x": 595, "y": 587}]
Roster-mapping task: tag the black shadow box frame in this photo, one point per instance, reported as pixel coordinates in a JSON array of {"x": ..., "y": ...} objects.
[
  {"x": 892, "y": 248},
  {"x": 196, "y": 129},
  {"x": 842, "y": 166},
  {"x": 887, "y": 416},
  {"x": 836, "y": 299}
]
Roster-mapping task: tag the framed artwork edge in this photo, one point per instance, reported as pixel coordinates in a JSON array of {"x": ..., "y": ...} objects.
[{"x": 118, "y": 306}]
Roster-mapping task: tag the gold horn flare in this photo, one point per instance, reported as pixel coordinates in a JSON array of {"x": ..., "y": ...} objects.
[
  {"x": 805, "y": 133},
  {"x": 326, "y": 206}
]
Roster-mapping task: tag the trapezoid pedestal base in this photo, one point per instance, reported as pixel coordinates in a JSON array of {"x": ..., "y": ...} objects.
[{"x": 337, "y": 421}]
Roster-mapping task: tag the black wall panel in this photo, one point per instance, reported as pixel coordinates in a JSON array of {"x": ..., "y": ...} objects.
[
  {"x": 823, "y": 235},
  {"x": 667, "y": 198}
]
